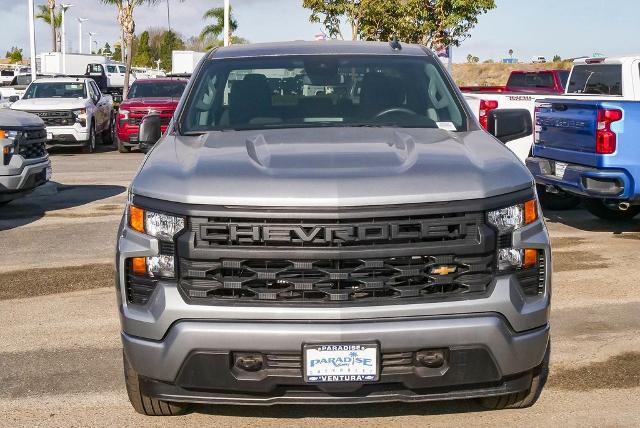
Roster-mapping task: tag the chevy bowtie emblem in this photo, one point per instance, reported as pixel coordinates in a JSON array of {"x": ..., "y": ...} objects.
[{"x": 443, "y": 270}]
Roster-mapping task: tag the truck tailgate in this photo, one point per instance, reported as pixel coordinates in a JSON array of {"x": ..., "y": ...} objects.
[{"x": 566, "y": 130}]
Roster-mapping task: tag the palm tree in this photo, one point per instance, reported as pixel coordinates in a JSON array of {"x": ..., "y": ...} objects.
[
  {"x": 216, "y": 29},
  {"x": 128, "y": 28},
  {"x": 48, "y": 15},
  {"x": 52, "y": 18}
]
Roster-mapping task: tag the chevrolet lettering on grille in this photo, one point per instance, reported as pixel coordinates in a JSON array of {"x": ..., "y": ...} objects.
[{"x": 329, "y": 234}]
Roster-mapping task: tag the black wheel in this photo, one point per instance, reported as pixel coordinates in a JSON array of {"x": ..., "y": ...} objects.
[
  {"x": 144, "y": 404},
  {"x": 600, "y": 209},
  {"x": 556, "y": 201},
  {"x": 121, "y": 147},
  {"x": 108, "y": 134},
  {"x": 90, "y": 144},
  {"x": 523, "y": 399}
]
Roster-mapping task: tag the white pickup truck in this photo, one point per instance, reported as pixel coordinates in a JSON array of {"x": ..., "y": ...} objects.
[
  {"x": 482, "y": 103},
  {"x": 74, "y": 111}
]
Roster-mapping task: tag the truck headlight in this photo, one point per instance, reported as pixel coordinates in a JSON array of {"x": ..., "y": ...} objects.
[
  {"x": 507, "y": 220},
  {"x": 8, "y": 147},
  {"x": 80, "y": 116},
  {"x": 514, "y": 217},
  {"x": 159, "y": 225}
]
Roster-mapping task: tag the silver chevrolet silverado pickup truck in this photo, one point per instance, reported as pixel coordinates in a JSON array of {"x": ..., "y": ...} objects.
[
  {"x": 24, "y": 161},
  {"x": 368, "y": 242}
]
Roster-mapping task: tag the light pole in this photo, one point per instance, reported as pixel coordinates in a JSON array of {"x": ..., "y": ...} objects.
[
  {"x": 227, "y": 10},
  {"x": 158, "y": 64},
  {"x": 32, "y": 40},
  {"x": 63, "y": 37},
  {"x": 91, "y": 41},
  {"x": 80, "y": 21}
]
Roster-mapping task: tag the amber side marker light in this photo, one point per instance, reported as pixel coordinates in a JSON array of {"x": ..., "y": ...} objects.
[
  {"x": 139, "y": 266},
  {"x": 530, "y": 258},
  {"x": 530, "y": 211},
  {"x": 2, "y": 134},
  {"x": 136, "y": 218}
]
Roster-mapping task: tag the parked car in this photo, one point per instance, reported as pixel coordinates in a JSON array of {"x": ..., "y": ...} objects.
[
  {"x": 375, "y": 245},
  {"x": 535, "y": 82},
  {"x": 74, "y": 111},
  {"x": 586, "y": 142},
  {"x": 145, "y": 96},
  {"x": 24, "y": 162}
]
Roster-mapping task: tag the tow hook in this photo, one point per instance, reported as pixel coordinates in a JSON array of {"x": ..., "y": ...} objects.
[
  {"x": 624, "y": 206},
  {"x": 552, "y": 189}
]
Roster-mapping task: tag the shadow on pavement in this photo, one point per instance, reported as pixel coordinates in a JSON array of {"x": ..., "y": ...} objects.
[
  {"x": 46, "y": 200},
  {"x": 343, "y": 412},
  {"x": 73, "y": 150},
  {"x": 583, "y": 220}
]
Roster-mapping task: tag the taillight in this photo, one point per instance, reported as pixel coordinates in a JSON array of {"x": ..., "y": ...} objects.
[
  {"x": 605, "y": 137},
  {"x": 485, "y": 107}
]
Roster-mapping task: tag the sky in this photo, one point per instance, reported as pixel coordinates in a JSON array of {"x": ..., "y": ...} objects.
[{"x": 569, "y": 28}]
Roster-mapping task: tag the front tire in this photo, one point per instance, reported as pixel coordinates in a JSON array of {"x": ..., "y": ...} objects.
[
  {"x": 144, "y": 404},
  {"x": 108, "y": 134},
  {"x": 121, "y": 147},
  {"x": 600, "y": 209},
  {"x": 90, "y": 144},
  {"x": 522, "y": 399},
  {"x": 556, "y": 201}
]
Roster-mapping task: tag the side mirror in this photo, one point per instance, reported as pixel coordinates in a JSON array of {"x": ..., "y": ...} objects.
[
  {"x": 508, "y": 125},
  {"x": 150, "y": 131},
  {"x": 13, "y": 98}
]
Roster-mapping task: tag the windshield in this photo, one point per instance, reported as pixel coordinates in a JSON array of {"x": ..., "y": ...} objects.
[
  {"x": 157, "y": 90},
  {"x": 564, "y": 78},
  {"x": 313, "y": 91},
  {"x": 55, "y": 90},
  {"x": 596, "y": 79}
]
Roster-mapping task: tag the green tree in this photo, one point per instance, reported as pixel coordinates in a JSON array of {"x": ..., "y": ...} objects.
[
  {"x": 431, "y": 22},
  {"x": 14, "y": 55},
  {"x": 143, "y": 56},
  {"x": 510, "y": 53},
  {"x": 217, "y": 28},
  {"x": 116, "y": 55},
  {"x": 170, "y": 43},
  {"x": 557, "y": 58},
  {"x": 46, "y": 13},
  {"x": 106, "y": 50}
]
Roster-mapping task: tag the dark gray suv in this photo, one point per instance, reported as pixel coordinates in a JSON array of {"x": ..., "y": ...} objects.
[{"x": 327, "y": 223}]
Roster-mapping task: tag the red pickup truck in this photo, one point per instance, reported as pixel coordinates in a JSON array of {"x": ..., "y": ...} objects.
[
  {"x": 538, "y": 82},
  {"x": 145, "y": 96}
]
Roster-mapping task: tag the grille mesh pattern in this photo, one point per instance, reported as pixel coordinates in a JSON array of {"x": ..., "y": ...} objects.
[
  {"x": 336, "y": 280},
  {"x": 55, "y": 118}
]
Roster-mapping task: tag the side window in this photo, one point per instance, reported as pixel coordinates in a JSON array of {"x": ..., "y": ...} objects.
[{"x": 95, "y": 93}]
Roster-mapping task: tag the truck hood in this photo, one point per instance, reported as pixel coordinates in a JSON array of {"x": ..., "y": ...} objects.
[
  {"x": 49, "y": 104},
  {"x": 329, "y": 167},
  {"x": 145, "y": 103},
  {"x": 18, "y": 119}
]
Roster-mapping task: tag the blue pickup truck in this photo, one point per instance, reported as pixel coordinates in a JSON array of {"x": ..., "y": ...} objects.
[{"x": 587, "y": 142}]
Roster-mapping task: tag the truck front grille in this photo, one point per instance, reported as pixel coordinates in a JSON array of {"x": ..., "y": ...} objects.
[
  {"x": 32, "y": 145},
  {"x": 56, "y": 118},
  {"x": 382, "y": 260},
  {"x": 336, "y": 280}
]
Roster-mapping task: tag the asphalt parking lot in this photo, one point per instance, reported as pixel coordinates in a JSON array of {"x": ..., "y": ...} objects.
[{"x": 60, "y": 356}]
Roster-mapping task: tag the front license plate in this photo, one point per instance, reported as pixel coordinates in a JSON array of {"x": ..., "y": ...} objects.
[
  {"x": 341, "y": 363},
  {"x": 560, "y": 169},
  {"x": 48, "y": 173},
  {"x": 49, "y": 136}
]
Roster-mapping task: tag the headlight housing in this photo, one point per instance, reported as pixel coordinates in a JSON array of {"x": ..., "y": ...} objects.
[
  {"x": 514, "y": 217},
  {"x": 159, "y": 225},
  {"x": 8, "y": 149},
  {"x": 81, "y": 116},
  {"x": 506, "y": 221},
  {"x": 162, "y": 226}
]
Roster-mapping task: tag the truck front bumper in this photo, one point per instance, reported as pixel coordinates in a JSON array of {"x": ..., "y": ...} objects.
[
  {"x": 583, "y": 180},
  {"x": 31, "y": 176},
  {"x": 195, "y": 362},
  {"x": 68, "y": 135}
]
